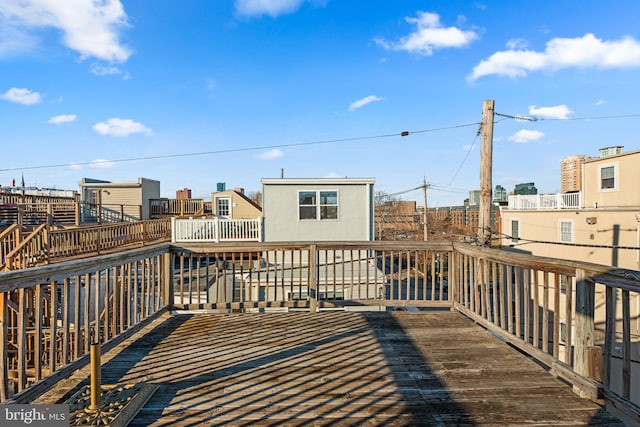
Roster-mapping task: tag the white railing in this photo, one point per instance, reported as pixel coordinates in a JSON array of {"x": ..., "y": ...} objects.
[
  {"x": 216, "y": 230},
  {"x": 545, "y": 201}
]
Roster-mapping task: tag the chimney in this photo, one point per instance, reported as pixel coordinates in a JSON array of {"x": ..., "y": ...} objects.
[{"x": 239, "y": 190}]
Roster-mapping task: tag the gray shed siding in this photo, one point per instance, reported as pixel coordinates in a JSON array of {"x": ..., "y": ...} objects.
[{"x": 281, "y": 214}]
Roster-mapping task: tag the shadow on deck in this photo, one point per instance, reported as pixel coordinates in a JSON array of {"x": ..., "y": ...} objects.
[{"x": 334, "y": 368}]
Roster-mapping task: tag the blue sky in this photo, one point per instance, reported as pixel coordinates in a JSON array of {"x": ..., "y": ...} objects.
[{"x": 207, "y": 91}]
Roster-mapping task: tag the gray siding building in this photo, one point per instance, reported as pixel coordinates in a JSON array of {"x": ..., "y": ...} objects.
[{"x": 317, "y": 209}]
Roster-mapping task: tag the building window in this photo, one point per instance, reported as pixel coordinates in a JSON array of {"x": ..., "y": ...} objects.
[
  {"x": 607, "y": 178},
  {"x": 566, "y": 231},
  {"x": 318, "y": 205},
  {"x": 515, "y": 231},
  {"x": 223, "y": 207}
]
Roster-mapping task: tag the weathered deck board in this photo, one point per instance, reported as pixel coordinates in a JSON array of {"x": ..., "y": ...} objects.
[{"x": 336, "y": 368}]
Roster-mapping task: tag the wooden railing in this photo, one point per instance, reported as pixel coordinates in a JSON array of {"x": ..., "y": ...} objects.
[
  {"x": 100, "y": 213},
  {"x": 46, "y": 245},
  {"x": 216, "y": 230},
  {"x": 50, "y": 315},
  {"x": 9, "y": 239},
  {"x": 31, "y": 251},
  {"x": 576, "y": 318},
  {"x": 581, "y": 320},
  {"x": 179, "y": 207}
]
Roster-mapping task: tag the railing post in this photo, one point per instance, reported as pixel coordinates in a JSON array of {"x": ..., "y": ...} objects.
[
  {"x": 46, "y": 240},
  {"x": 168, "y": 279},
  {"x": 4, "y": 351},
  {"x": 173, "y": 229},
  {"x": 313, "y": 278},
  {"x": 143, "y": 232},
  {"x": 453, "y": 279},
  {"x": 585, "y": 327},
  {"x": 76, "y": 218}
]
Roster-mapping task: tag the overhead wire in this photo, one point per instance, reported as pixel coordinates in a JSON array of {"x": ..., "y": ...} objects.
[
  {"x": 584, "y": 245},
  {"x": 236, "y": 150},
  {"x": 468, "y": 152}
]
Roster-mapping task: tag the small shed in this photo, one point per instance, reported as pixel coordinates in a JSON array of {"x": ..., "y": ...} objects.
[{"x": 317, "y": 209}]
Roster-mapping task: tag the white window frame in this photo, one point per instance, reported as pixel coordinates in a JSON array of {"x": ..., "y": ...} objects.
[
  {"x": 318, "y": 205},
  {"x": 565, "y": 222},
  {"x": 517, "y": 238},
  {"x": 230, "y": 206},
  {"x": 613, "y": 165}
]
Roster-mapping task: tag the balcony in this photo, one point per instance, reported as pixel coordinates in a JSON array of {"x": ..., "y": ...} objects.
[
  {"x": 545, "y": 201},
  {"x": 398, "y": 333}
]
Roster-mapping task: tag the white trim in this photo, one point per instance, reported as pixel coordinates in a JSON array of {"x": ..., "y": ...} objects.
[
  {"x": 615, "y": 167},
  {"x": 511, "y": 221},
  {"x": 571, "y": 223},
  {"x": 316, "y": 181},
  {"x": 229, "y": 199},
  {"x": 319, "y": 205}
]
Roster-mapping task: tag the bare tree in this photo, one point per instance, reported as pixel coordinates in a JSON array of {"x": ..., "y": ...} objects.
[{"x": 255, "y": 196}]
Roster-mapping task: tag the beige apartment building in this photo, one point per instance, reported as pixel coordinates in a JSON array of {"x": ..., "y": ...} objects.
[{"x": 599, "y": 224}]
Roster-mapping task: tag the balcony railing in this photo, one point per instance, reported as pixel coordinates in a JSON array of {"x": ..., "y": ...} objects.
[
  {"x": 572, "y": 317},
  {"x": 179, "y": 207},
  {"x": 216, "y": 230},
  {"x": 545, "y": 201}
]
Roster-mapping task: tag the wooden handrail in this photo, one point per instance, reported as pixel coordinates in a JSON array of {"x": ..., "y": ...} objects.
[
  {"x": 524, "y": 299},
  {"x": 9, "y": 240},
  {"x": 21, "y": 258}
]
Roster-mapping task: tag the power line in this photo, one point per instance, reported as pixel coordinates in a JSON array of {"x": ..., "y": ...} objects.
[
  {"x": 535, "y": 118},
  {"x": 582, "y": 245},
  {"x": 468, "y": 152},
  {"x": 236, "y": 150}
]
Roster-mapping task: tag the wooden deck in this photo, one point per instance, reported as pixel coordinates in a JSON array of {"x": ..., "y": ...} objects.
[{"x": 334, "y": 368}]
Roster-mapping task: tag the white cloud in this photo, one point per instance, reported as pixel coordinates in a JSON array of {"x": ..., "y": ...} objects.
[
  {"x": 555, "y": 112},
  {"x": 91, "y": 28},
  {"x": 523, "y": 136},
  {"x": 62, "y": 118},
  {"x": 101, "y": 164},
  {"x": 428, "y": 36},
  {"x": 21, "y": 96},
  {"x": 517, "y": 44},
  {"x": 600, "y": 102},
  {"x": 121, "y": 127},
  {"x": 580, "y": 52},
  {"x": 272, "y": 8},
  {"x": 108, "y": 70},
  {"x": 364, "y": 101},
  {"x": 74, "y": 166},
  {"x": 271, "y": 154}
]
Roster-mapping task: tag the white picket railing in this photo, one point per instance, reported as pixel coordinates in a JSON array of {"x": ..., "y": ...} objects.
[
  {"x": 545, "y": 201},
  {"x": 216, "y": 230}
]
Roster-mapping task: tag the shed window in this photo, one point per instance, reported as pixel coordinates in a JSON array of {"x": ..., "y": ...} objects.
[{"x": 318, "y": 205}]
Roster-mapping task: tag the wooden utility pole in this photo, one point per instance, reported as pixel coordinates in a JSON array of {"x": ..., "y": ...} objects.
[
  {"x": 486, "y": 159},
  {"x": 424, "y": 219}
]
